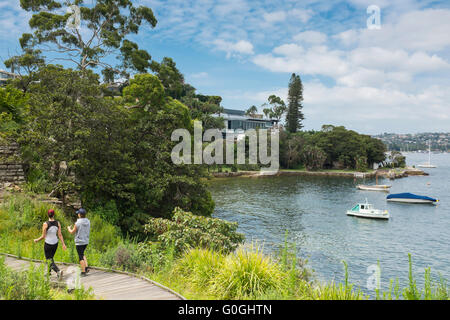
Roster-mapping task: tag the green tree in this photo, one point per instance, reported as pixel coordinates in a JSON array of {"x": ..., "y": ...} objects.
[
  {"x": 171, "y": 78},
  {"x": 277, "y": 107},
  {"x": 294, "y": 116},
  {"x": 313, "y": 157},
  {"x": 251, "y": 111},
  {"x": 106, "y": 23},
  {"x": 202, "y": 107},
  {"x": 115, "y": 151}
]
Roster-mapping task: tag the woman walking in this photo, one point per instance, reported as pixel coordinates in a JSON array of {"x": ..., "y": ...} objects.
[
  {"x": 51, "y": 231},
  {"x": 81, "y": 229}
]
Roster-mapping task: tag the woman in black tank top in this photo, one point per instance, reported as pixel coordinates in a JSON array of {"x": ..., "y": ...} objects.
[{"x": 51, "y": 231}]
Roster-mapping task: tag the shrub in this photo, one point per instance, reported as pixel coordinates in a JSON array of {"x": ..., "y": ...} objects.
[
  {"x": 186, "y": 230},
  {"x": 247, "y": 274},
  {"x": 103, "y": 235}
]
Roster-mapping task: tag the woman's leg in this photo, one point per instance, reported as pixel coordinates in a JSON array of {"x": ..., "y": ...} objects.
[
  {"x": 80, "y": 250},
  {"x": 50, "y": 251}
]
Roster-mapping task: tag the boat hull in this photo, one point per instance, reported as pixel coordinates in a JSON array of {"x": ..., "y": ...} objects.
[
  {"x": 426, "y": 166},
  {"x": 368, "y": 215},
  {"x": 410, "y": 200},
  {"x": 374, "y": 188}
]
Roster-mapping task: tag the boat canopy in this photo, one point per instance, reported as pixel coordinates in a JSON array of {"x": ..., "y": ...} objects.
[{"x": 409, "y": 196}]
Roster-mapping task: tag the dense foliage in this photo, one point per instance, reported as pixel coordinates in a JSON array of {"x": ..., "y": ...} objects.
[
  {"x": 332, "y": 147},
  {"x": 185, "y": 230},
  {"x": 106, "y": 24},
  {"x": 201, "y": 107},
  {"x": 110, "y": 151}
]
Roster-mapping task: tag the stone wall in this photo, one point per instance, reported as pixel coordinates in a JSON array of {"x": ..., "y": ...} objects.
[{"x": 10, "y": 164}]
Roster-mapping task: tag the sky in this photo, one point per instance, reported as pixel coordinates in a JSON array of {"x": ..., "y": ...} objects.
[{"x": 395, "y": 78}]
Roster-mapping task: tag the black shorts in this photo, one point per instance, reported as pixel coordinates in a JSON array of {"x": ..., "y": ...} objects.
[
  {"x": 50, "y": 250},
  {"x": 80, "y": 250}
]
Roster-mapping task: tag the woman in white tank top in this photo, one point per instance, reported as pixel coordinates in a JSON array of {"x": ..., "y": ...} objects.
[{"x": 51, "y": 231}]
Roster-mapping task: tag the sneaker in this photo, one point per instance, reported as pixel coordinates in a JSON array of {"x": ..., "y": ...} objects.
[{"x": 83, "y": 274}]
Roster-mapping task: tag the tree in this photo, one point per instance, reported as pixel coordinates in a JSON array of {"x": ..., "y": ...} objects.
[
  {"x": 294, "y": 115},
  {"x": 171, "y": 78},
  {"x": 313, "y": 157},
  {"x": 106, "y": 24},
  {"x": 201, "y": 107},
  {"x": 12, "y": 105},
  {"x": 251, "y": 111},
  {"x": 113, "y": 154},
  {"x": 277, "y": 107}
]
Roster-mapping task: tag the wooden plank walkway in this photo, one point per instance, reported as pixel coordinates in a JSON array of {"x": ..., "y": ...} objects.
[{"x": 106, "y": 284}]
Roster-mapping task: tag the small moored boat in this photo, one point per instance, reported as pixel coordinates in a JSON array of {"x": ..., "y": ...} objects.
[
  {"x": 410, "y": 198},
  {"x": 378, "y": 187},
  {"x": 366, "y": 210}
]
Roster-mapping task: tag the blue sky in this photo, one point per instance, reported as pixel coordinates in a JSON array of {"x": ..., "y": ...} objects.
[{"x": 395, "y": 79}]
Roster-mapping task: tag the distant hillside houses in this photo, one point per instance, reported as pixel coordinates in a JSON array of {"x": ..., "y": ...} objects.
[{"x": 439, "y": 141}]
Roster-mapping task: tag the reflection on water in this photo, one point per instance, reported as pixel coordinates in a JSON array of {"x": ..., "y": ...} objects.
[{"x": 313, "y": 211}]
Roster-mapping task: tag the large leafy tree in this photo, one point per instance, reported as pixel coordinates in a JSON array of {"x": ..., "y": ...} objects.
[
  {"x": 101, "y": 34},
  {"x": 294, "y": 115},
  {"x": 111, "y": 150},
  {"x": 202, "y": 107}
]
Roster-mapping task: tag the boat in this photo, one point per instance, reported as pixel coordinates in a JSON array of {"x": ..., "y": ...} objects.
[
  {"x": 427, "y": 165},
  {"x": 410, "y": 198},
  {"x": 376, "y": 187},
  {"x": 366, "y": 210}
]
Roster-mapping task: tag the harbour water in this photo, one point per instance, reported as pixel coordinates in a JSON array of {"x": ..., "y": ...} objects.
[{"x": 313, "y": 211}]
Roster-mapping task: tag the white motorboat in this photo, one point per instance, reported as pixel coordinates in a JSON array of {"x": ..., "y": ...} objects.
[{"x": 366, "y": 210}]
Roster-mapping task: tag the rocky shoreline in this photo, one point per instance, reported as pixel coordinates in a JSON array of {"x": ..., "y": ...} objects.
[{"x": 386, "y": 173}]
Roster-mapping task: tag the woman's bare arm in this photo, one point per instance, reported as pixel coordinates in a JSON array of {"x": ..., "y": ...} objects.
[
  {"x": 61, "y": 236},
  {"x": 72, "y": 230},
  {"x": 44, "y": 233}
]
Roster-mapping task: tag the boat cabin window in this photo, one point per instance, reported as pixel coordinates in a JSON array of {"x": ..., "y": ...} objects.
[{"x": 362, "y": 206}]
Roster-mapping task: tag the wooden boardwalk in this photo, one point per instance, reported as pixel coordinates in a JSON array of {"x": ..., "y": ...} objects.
[{"x": 106, "y": 284}]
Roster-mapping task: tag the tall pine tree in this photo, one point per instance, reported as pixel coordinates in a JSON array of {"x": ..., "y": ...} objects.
[{"x": 295, "y": 115}]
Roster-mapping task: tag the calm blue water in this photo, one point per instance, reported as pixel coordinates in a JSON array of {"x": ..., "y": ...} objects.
[{"x": 313, "y": 211}]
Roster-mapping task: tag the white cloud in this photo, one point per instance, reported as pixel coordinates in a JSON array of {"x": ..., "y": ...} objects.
[
  {"x": 317, "y": 60},
  {"x": 425, "y": 30},
  {"x": 274, "y": 16},
  {"x": 312, "y": 37},
  {"x": 199, "y": 75},
  {"x": 302, "y": 14},
  {"x": 238, "y": 48}
]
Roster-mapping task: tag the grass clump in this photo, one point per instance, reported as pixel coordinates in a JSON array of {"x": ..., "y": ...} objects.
[{"x": 34, "y": 284}]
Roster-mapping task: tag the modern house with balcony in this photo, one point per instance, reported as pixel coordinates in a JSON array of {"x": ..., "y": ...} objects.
[{"x": 236, "y": 121}]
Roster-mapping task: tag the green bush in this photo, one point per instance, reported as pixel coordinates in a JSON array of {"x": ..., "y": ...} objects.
[
  {"x": 186, "y": 230},
  {"x": 247, "y": 274},
  {"x": 103, "y": 235}
]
